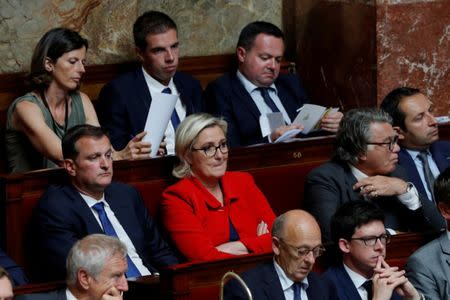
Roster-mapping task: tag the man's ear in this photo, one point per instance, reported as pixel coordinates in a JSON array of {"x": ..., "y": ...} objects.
[
  {"x": 344, "y": 245},
  {"x": 276, "y": 245},
  {"x": 241, "y": 53},
  {"x": 362, "y": 156},
  {"x": 70, "y": 167},
  {"x": 400, "y": 132},
  {"x": 83, "y": 279},
  {"x": 444, "y": 209},
  {"x": 48, "y": 64},
  {"x": 139, "y": 54}
]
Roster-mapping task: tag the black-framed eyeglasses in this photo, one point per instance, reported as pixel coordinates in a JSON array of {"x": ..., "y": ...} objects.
[
  {"x": 301, "y": 252},
  {"x": 210, "y": 151},
  {"x": 384, "y": 238},
  {"x": 391, "y": 144}
]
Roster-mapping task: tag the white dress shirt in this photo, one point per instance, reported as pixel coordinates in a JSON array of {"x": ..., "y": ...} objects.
[
  {"x": 259, "y": 100},
  {"x": 358, "y": 281},
  {"x": 121, "y": 234},
  {"x": 69, "y": 295},
  {"x": 419, "y": 166},
  {"x": 287, "y": 284},
  {"x": 155, "y": 88}
]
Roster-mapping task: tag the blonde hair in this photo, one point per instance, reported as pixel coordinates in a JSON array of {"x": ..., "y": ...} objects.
[{"x": 186, "y": 135}]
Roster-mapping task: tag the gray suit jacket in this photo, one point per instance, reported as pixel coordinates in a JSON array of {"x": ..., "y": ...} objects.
[
  {"x": 428, "y": 269},
  {"x": 55, "y": 295}
]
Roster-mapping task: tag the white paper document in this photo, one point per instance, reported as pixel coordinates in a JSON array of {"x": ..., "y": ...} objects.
[
  {"x": 310, "y": 116},
  {"x": 158, "y": 118},
  {"x": 288, "y": 136}
]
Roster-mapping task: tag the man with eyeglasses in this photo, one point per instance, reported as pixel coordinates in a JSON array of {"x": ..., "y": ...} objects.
[
  {"x": 92, "y": 203},
  {"x": 429, "y": 267},
  {"x": 364, "y": 166},
  {"x": 296, "y": 243},
  {"x": 422, "y": 155},
  {"x": 358, "y": 232}
]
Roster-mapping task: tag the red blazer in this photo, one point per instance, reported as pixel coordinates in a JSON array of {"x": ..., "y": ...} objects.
[{"x": 197, "y": 222}]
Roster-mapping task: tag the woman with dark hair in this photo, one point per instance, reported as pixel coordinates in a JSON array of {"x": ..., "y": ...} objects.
[{"x": 37, "y": 121}]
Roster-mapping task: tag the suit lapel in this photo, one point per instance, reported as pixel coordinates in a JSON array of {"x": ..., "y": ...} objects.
[
  {"x": 61, "y": 294},
  {"x": 445, "y": 247},
  {"x": 350, "y": 180},
  {"x": 286, "y": 100},
  {"x": 142, "y": 92},
  {"x": 182, "y": 90},
  {"x": 121, "y": 211},
  {"x": 272, "y": 286},
  {"x": 349, "y": 288},
  {"x": 441, "y": 161},
  {"x": 243, "y": 97},
  {"x": 406, "y": 161},
  {"x": 83, "y": 210}
]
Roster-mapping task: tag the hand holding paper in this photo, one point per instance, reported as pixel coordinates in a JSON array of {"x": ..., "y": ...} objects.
[{"x": 331, "y": 120}]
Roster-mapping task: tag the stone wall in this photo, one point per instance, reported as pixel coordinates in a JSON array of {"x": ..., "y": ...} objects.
[{"x": 205, "y": 27}]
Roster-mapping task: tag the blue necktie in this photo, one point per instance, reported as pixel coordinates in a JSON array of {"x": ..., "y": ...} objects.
[
  {"x": 174, "y": 118},
  {"x": 109, "y": 230},
  {"x": 265, "y": 94},
  {"x": 297, "y": 287},
  {"x": 368, "y": 286}
]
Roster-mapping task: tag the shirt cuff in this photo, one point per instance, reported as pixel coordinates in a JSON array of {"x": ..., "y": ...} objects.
[{"x": 410, "y": 198}]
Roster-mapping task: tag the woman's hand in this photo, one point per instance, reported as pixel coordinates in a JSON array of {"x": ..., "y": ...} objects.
[{"x": 236, "y": 248}]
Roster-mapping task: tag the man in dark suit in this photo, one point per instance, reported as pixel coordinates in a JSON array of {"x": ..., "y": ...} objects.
[
  {"x": 96, "y": 267},
  {"x": 421, "y": 154},
  {"x": 358, "y": 232},
  {"x": 15, "y": 272},
  {"x": 296, "y": 243},
  {"x": 365, "y": 167},
  {"x": 428, "y": 268},
  {"x": 257, "y": 89},
  {"x": 92, "y": 204},
  {"x": 124, "y": 103}
]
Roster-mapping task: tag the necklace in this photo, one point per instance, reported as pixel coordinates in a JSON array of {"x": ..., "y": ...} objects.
[{"x": 66, "y": 116}]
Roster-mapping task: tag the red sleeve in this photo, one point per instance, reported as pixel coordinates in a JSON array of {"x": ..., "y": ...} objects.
[
  {"x": 185, "y": 228},
  {"x": 261, "y": 209}
]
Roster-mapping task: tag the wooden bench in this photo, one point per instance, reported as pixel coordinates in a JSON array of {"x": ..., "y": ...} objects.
[{"x": 204, "y": 68}]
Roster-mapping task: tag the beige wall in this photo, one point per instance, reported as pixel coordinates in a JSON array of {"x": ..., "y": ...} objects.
[{"x": 205, "y": 27}]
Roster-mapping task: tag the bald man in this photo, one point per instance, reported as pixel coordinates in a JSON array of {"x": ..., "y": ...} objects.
[{"x": 296, "y": 243}]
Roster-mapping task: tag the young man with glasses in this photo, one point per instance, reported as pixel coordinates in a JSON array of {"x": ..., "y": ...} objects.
[
  {"x": 296, "y": 243},
  {"x": 364, "y": 166},
  {"x": 358, "y": 232}
]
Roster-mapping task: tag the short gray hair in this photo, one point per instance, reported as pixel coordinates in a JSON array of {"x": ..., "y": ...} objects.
[
  {"x": 91, "y": 254},
  {"x": 186, "y": 136},
  {"x": 278, "y": 226},
  {"x": 354, "y": 132}
]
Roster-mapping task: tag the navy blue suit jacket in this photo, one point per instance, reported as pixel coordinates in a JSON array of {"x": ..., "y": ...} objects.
[
  {"x": 13, "y": 269},
  {"x": 330, "y": 185},
  {"x": 228, "y": 97},
  {"x": 345, "y": 288},
  {"x": 62, "y": 217},
  {"x": 440, "y": 151},
  {"x": 264, "y": 284},
  {"x": 124, "y": 104},
  {"x": 54, "y": 295}
]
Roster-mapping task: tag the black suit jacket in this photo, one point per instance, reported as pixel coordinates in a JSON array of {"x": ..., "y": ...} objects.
[
  {"x": 228, "y": 97},
  {"x": 13, "y": 269},
  {"x": 124, "y": 104},
  {"x": 330, "y": 185},
  {"x": 345, "y": 288},
  {"x": 62, "y": 217},
  {"x": 440, "y": 151},
  {"x": 55, "y": 295},
  {"x": 264, "y": 283}
]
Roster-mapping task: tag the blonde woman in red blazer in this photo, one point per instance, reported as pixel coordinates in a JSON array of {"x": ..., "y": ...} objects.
[{"x": 211, "y": 213}]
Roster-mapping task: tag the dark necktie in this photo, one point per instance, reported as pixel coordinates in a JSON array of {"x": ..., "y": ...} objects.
[
  {"x": 368, "y": 286},
  {"x": 265, "y": 94},
  {"x": 429, "y": 178},
  {"x": 109, "y": 230},
  {"x": 174, "y": 118},
  {"x": 297, "y": 287}
]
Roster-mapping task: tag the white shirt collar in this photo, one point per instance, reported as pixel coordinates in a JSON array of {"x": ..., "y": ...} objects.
[
  {"x": 286, "y": 283},
  {"x": 357, "y": 279},
  {"x": 448, "y": 234},
  {"x": 248, "y": 85},
  {"x": 357, "y": 173},
  {"x": 91, "y": 201},
  {"x": 69, "y": 295},
  {"x": 155, "y": 85}
]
